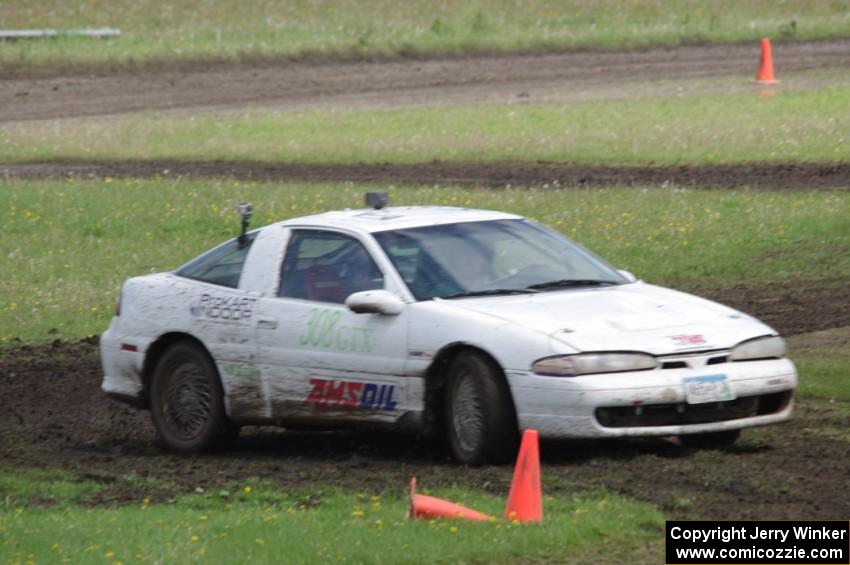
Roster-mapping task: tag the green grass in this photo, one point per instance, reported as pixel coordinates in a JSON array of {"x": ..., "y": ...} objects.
[
  {"x": 728, "y": 128},
  {"x": 67, "y": 246},
  {"x": 823, "y": 372},
  {"x": 822, "y": 360},
  {"x": 21, "y": 488},
  {"x": 42, "y": 487},
  {"x": 154, "y": 29},
  {"x": 259, "y": 523}
]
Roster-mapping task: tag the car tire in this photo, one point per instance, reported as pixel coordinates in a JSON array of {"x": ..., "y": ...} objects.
[
  {"x": 187, "y": 402},
  {"x": 480, "y": 419},
  {"x": 712, "y": 440}
]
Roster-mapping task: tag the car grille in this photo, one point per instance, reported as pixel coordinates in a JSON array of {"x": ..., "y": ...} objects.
[
  {"x": 647, "y": 415},
  {"x": 694, "y": 360}
]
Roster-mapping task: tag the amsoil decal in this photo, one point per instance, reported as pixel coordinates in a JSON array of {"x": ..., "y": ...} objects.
[
  {"x": 225, "y": 308},
  {"x": 340, "y": 395}
]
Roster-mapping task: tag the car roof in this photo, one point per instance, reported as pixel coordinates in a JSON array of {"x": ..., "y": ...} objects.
[{"x": 397, "y": 217}]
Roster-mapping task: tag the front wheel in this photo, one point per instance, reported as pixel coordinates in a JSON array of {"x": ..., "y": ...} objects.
[
  {"x": 187, "y": 403},
  {"x": 711, "y": 440},
  {"x": 480, "y": 420}
]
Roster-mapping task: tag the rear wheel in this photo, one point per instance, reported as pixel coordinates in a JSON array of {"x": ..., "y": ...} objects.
[
  {"x": 187, "y": 403},
  {"x": 480, "y": 419},
  {"x": 712, "y": 440}
]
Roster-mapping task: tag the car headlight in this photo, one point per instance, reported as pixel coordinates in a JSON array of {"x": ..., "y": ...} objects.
[
  {"x": 590, "y": 363},
  {"x": 772, "y": 347}
]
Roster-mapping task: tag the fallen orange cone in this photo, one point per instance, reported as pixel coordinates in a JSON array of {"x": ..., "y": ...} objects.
[
  {"x": 764, "y": 75},
  {"x": 525, "y": 501},
  {"x": 429, "y": 507}
]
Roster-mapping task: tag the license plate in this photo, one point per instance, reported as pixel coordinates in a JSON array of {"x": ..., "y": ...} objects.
[{"x": 707, "y": 388}]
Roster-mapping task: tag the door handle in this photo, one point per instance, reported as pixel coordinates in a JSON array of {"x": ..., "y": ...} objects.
[{"x": 266, "y": 323}]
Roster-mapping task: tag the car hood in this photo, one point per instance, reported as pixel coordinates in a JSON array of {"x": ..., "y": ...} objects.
[{"x": 633, "y": 317}]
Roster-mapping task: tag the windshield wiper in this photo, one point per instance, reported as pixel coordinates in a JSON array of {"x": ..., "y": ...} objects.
[
  {"x": 490, "y": 292},
  {"x": 567, "y": 283}
]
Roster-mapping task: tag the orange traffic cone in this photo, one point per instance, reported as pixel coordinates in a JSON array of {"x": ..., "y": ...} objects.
[
  {"x": 429, "y": 507},
  {"x": 525, "y": 501},
  {"x": 764, "y": 75}
]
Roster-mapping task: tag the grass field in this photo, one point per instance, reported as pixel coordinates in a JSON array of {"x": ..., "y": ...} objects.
[
  {"x": 826, "y": 372},
  {"x": 71, "y": 244},
  {"x": 66, "y": 246},
  {"x": 809, "y": 125},
  {"x": 823, "y": 358},
  {"x": 260, "y": 523},
  {"x": 154, "y": 30}
]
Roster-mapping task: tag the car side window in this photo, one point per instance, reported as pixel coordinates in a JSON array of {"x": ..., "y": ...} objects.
[
  {"x": 221, "y": 266},
  {"x": 412, "y": 259},
  {"x": 326, "y": 267}
]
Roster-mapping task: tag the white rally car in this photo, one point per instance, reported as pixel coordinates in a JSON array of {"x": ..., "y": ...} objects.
[{"x": 470, "y": 322}]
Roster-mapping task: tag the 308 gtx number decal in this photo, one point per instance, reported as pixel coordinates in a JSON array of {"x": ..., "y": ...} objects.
[{"x": 323, "y": 331}]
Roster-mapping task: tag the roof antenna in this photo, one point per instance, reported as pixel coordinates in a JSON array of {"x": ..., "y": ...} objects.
[
  {"x": 377, "y": 200},
  {"x": 246, "y": 211}
]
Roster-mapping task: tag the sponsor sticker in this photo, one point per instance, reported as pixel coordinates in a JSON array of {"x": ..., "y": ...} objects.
[
  {"x": 325, "y": 332},
  {"x": 223, "y": 308},
  {"x": 240, "y": 371},
  {"x": 688, "y": 340},
  {"x": 327, "y": 394}
]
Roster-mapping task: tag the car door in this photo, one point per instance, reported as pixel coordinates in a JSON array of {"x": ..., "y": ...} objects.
[{"x": 320, "y": 360}]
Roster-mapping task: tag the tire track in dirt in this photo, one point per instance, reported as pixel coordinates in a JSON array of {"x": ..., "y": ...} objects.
[
  {"x": 287, "y": 84},
  {"x": 767, "y": 176},
  {"x": 54, "y": 416}
]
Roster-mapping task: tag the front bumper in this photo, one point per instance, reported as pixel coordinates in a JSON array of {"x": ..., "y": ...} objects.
[{"x": 652, "y": 403}]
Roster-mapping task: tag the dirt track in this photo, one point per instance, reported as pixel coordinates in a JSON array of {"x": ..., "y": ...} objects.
[
  {"x": 763, "y": 176},
  {"x": 297, "y": 85},
  {"x": 468, "y": 80},
  {"x": 53, "y": 415}
]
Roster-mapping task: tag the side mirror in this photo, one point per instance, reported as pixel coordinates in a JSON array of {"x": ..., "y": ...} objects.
[
  {"x": 375, "y": 302},
  {"x": 627, "y": 275}
]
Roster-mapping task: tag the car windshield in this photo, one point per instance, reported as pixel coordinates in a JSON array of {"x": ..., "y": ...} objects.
[{"x": 491, "y": 257}]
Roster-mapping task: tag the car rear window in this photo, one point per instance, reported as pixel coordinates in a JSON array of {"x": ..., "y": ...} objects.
[{"x": 221, "y": 266}]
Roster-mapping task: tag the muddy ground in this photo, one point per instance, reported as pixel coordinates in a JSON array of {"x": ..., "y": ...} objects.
[
  {"x": 760, "y": 176},
  {"x": 53, "y": 415}
]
